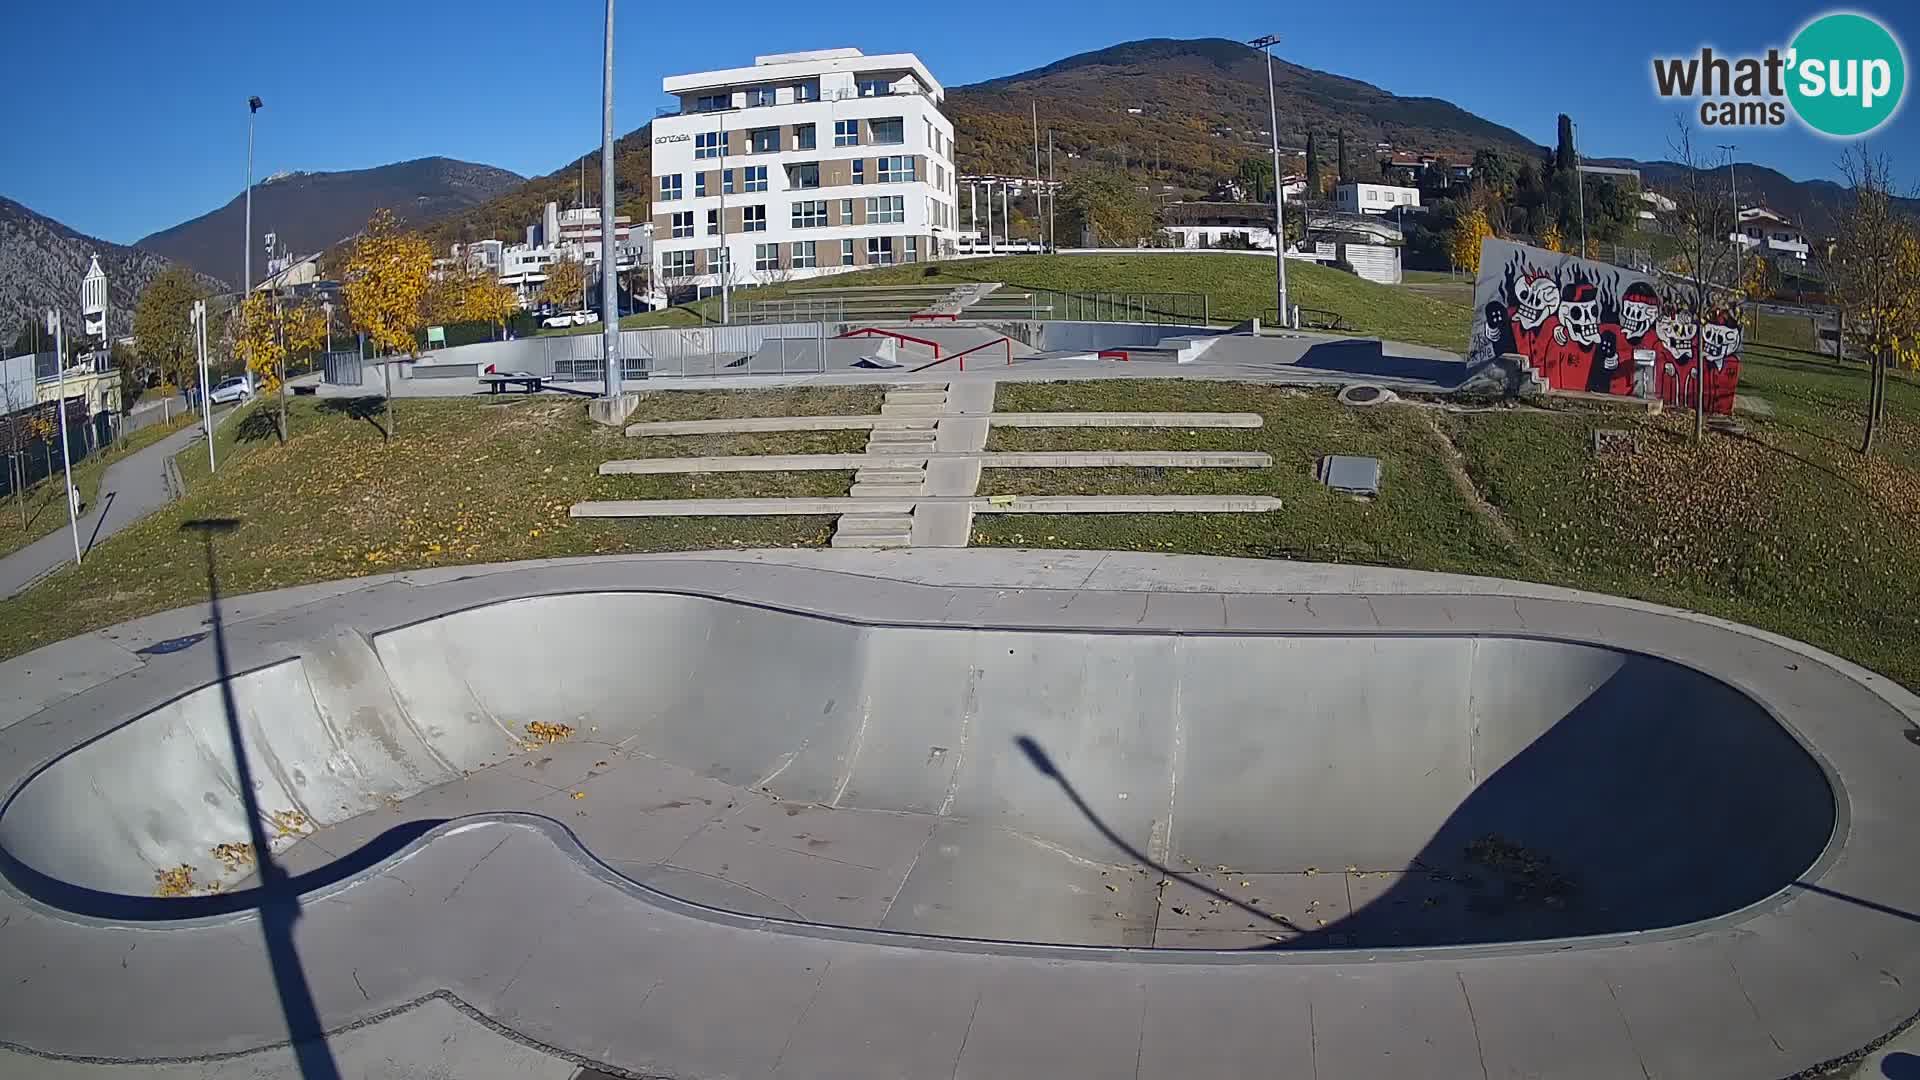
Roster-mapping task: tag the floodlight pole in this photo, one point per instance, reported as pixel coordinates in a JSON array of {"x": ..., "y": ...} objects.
[
  {"x": 66, "y": 458},
  {"x": 1265, "y": 44},
  {"x": 609, "y": 283}
]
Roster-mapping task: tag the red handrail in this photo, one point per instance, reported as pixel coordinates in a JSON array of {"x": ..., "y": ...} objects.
[
  {"x": 930, "y": 316},
  {"x": 962, "y": 356},
  {"x": 871, "y": 331}
]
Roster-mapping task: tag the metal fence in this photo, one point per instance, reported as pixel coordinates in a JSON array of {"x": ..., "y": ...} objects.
[
  {"x": 795, "y": 310},
  {"x": 342, "y": 368},
  {"x": 1130, "y": 307}
]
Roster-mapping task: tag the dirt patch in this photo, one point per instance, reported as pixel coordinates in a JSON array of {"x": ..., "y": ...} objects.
[{"x": 1456, "y": 464}]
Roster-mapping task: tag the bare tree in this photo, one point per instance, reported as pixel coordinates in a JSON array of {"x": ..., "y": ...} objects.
[
  {"x": 1703, "y": 223},
  {"x": 17, "y": 401},
  {"x": 1874, "y": 275}
]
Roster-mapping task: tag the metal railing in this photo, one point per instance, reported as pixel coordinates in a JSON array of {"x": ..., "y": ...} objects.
[
  {"x": 1184, "y": 309},
  {"x": 342, "y": 368},
  {"x": 795, "y": 310}
]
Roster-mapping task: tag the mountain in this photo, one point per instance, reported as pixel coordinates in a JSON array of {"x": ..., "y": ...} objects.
[
  {"x": 1203, "y": 109},
  {"x": 1815, "y": 204},
  {"x": 313, "y": 210},
  {"x": 42, "y": 262},
  {"x": 507, "y": 214}
]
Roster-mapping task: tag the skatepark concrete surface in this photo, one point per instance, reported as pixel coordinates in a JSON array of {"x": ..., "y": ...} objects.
[{"x": 954, "y": 813}]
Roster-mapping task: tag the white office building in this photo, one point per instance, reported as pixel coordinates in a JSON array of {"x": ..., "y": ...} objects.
[
  {"x": 803, "y": 164},
  {"x": 1375, "y": 198}
]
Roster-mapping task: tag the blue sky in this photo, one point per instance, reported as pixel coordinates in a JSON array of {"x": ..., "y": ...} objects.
[{"x": 155, "y": 131}]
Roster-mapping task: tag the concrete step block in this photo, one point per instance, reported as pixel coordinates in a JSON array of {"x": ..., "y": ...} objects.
[
  {"x": 891, "y": 439},
  {"x": 890, "y": 476},
  {"x": 865, "y": 540},
  {"x": 916, "y": 410},
  {"x": 875, "y": 524},
  {"x": 917, "y": 397},
  {"x": 884, "y": 491}
]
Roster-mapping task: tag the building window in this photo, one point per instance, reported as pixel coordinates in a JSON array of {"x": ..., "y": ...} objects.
[
  {"x": 846, "y": 133},
  {"x": 717, "y": 261},
  {"x": 859, "y": 171},
  {"x": 760, "y": 95},
  {"x": 707, "y": 144},
  {"x": 913, "y": 249},
  {"x": 712, "y": 102},
  {"x": 807, "y": 91},
  {"x": 670, "y": 187},
  {"x": 875, "y": 88},
  {"x": 764, "y": 140},
  {"x": 879, "y": 250},
  {"x": 726, "y": 182},
  {"x": 753, "y": 219},
  {"x": 682, "y": 224},
  {"x": 809, "y": 215},
  {"x": 713, "y": 222},
  {"x": 887, "y": 210},
  {"x": 846, "y": 211},
  {"x": 676, "y": 264},
  {"x": 804, "y": 176},
  {"x": 805, "y": 255},
  {"x": 803, "y": 137},
  {"x": 756, "y": 178},
  {"x": 699, "y": 185},
  {"x": 766, "y": 257},
  {"x": 846, "y": 253},
  {"x": 896, "y": 170},
  {"x": 888, "y": 131}
]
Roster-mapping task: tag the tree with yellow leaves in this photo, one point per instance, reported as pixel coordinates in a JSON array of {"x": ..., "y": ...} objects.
[
  {"x": 386, "y": 281},
  {"x": 1875, "y": 276},
  {"x": 1463, "y": 246},
  {"x": 488, "y": 301},
  {"x": 261, "y": 346},
  {"x": 566, "y": 282},
  {"x": 1551, "y": 238}
]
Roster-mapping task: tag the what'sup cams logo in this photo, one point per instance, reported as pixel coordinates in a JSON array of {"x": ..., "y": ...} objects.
[{"x": 1843, "y": 75}]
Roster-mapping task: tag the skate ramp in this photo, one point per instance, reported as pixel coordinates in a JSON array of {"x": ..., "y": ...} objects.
[{"x": 1379, "y": 790}]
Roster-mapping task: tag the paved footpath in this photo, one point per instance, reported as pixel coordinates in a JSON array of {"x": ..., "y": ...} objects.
[{"x": 133, "y": 488}]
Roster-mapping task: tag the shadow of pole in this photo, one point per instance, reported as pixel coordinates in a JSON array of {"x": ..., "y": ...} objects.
[
  {"x": 100, "y": 520},
  {"x": 1045, "y": 766},
  {"x": 1870, "y": 905},
  {"x": 279, "y": 902}
]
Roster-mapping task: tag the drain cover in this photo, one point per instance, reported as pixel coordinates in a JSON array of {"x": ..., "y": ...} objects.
[
  {"x": 1365, "y": 394},
  {"x": 1351, "y": 475}
]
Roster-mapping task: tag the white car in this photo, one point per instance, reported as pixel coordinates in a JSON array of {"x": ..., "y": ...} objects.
[
  {"x": 237, "y": 388},
  {"x": 571, "y": 318}
]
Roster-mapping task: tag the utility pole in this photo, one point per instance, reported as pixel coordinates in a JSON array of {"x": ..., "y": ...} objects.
[
  {"x": 66, "y": 458},
  {"x": 989, "y": 217},
  {"x": 1053, "y": 199},
  {"x": 609, "y": 286},
  {"x": 197, "y": 317},
  {"x": 725, "y": 269},
  {"x": 1265, "y": 44},
  {"x": 1036, "y": 168}
]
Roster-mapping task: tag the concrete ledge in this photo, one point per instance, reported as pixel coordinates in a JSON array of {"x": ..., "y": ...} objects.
[
  {"x": 753, "y": 424},
  {"x": 1163, "y": 459},
  {"x": 613, "y": 411},
  {"x": 979, "y": 504}
]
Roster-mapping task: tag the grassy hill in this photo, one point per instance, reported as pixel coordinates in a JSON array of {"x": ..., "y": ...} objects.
[{"x": 1238, "y": 287}]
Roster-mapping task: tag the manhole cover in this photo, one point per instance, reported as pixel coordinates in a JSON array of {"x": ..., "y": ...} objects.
[
  {"x": 1351, "y": 475},
  {"x": 1366, "y": 395}
]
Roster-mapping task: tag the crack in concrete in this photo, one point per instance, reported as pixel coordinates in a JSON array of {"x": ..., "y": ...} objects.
[
  {"x": 470, "y": 870},
  {"x": 971, "y": 1017},
  {"x": 1478, "y": 1047}
]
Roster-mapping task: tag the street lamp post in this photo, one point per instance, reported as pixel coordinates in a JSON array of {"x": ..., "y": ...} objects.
[
  {"x": 246, "y": 283},
  {"x": 1265, "y": 44},
  {"x": 66, "y": 459},
  {"x": 1580, "y": 186},
  {"x": 609, "y": 285},
  {"x": 197, "y": 317},
  {"x": 1733, "y": 181}
]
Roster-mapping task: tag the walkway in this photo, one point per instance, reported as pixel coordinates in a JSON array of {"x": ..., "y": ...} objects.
[{"x": 132, "y": 488}]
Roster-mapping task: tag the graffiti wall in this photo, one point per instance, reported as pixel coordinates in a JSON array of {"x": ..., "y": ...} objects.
[{"x": 1585, "y": 325}]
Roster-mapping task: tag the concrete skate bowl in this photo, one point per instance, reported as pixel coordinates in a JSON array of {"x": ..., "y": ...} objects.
[{"x": 1307, "y": 791}]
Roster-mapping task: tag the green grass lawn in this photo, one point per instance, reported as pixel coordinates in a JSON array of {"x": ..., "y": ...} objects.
[
  {"x": 43, "y": 505},
  {"x": 1783, "y": 526},
  {"x": 1238, "y": 287},
  {"x": 463, "y": 482}
]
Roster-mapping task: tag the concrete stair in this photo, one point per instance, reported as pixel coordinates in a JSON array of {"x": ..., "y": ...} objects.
[
  {"x": 904, "y": 441},
  {"x": 873, "y": 531},
  {"x": 931, "y": 409},
  {"x": 890, "y": 476},
  {"x": 885, "y": 491}
]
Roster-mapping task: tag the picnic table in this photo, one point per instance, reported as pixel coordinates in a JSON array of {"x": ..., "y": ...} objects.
[{"x": 500, "y": 383}]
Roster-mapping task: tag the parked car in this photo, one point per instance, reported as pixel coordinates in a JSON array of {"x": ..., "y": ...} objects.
[
  {"x": 238, "y": 388},
  {"x": 571, "y": 318}
]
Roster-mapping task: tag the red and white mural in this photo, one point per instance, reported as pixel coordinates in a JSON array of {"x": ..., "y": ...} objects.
[{"x": 1585, "y": 325}]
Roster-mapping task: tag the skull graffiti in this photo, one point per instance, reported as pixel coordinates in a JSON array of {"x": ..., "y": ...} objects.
[
  {"x": 1719, "y": 341},
  {"x": 1639, "y": 309},
  {"x": 1539, "y": 297},
  {"x": 1676, "y": 333},
  {"x": 1580, "y": 314}
]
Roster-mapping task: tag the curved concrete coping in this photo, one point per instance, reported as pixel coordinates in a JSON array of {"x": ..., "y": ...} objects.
[{"x": 799, "y": 795}]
